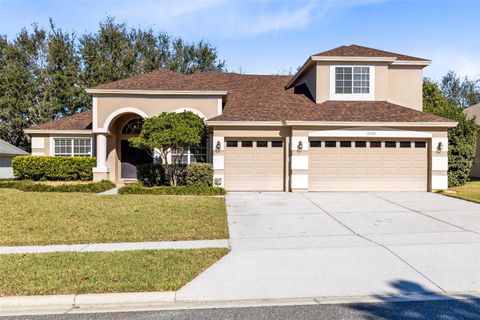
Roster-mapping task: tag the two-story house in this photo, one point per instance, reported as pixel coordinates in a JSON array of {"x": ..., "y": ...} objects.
[{"x": 350, "y": 119}]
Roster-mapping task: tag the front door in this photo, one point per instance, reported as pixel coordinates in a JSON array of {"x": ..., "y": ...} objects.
[{"x": 130, "y": 158}]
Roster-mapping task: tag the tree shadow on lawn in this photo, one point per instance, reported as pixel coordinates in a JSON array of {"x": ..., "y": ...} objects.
[{"x": 410, "y": 305}]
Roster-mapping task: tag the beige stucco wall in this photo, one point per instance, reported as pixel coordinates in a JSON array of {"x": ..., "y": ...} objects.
[
  {"x": 397, "y": 84},
  {"x": 154, "y": 105},
  {"x": 405, "y": 86}
]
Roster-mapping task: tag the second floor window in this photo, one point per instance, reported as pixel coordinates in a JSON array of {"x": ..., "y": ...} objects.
[{"x": 350, "y": 80}]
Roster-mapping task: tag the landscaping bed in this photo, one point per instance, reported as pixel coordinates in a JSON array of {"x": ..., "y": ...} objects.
[
  {"x": 97, "y": 272},
  {"x": 58, "y": 186},
  {"x": 470, "y": 191},
  {"x": 199, "y": 190},
  {"x": 35, "y": 218}
]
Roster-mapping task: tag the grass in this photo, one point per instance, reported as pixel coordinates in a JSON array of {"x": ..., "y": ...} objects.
[
  {"x": 96, "y": 272},
  {"x": 36, "y": 218},
  {"x": 470, "y": 191}
]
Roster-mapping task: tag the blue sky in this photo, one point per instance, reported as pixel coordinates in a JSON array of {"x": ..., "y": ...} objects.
[{"x": 275, "y": 36}]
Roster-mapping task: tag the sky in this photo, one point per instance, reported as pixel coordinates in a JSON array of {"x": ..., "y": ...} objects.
[{"x": 272, "y": 37}]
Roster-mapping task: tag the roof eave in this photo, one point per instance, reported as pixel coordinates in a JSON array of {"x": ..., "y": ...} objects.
[
  {"x": 57, "y": 131},
  {"x": 238, "y": 123},
  {"x": 245, "y": 123},
  {"x": 448, "y": 124},
  {"x": 94, "y": 91}
]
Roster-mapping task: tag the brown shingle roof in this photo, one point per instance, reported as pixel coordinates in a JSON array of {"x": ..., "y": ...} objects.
[
  {"x": 79, "y": 121},
  {"x": 256, "y": 98},
  {"x": 360, "y": 51}
]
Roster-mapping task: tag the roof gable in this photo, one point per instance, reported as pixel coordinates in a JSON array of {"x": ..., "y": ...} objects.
[{"x": 9, "y": 149}]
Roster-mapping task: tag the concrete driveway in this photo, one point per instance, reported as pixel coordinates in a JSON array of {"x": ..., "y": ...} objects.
[{"x": 304, "y": 245}]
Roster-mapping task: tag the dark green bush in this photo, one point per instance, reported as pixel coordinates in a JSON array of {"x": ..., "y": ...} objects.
[
  {"x": 197, "y": 190},
  {"x": 53, "y": 168},
  {"x": 151, "y": 174},
  {"x": 199, "y": 174},
  {"x": 27, "y": 185}
]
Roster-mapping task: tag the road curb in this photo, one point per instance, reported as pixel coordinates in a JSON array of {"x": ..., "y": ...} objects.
[
  {"x": 137, "y": 301},
  {"x": 55, "y": 304}
]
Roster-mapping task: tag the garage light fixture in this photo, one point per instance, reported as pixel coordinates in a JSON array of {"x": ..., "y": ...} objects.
[
  {"x": 218, "y": 146},
  {"x": 439, "y": 147},
  {"x": 300, "y": 146}
]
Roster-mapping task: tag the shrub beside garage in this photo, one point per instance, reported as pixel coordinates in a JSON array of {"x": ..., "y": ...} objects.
[
  {"x": 41, "y": 168},
  {"x": 194, "y": 179}
]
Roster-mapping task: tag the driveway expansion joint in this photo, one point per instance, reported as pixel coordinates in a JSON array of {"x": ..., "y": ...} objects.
[{"x": 381, "y": 245}]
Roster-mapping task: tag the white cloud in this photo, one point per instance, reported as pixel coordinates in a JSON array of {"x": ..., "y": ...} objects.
[
  {"x": 463, "y": 63},
  {"x": 229, "y": 18}
]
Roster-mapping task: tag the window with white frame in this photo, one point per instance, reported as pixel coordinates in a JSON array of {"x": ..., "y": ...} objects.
[
  {"x": 197, "y": 154},
  {"x": 72, "y": 146},
  {"x": 350, "y": 80}
]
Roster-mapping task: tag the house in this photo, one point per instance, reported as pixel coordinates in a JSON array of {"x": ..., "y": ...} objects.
[
  {"x": 350, "y": 119},
  {"x": 7, "y": 153},
  {"x": 474, "y": 111}
]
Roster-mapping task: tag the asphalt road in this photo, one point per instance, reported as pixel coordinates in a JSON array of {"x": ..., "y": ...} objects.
[{"x": 432, "y": 310}]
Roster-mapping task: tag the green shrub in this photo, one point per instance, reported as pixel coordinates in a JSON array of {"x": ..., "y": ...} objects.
[
  {"x": 197, "y": 190},
  {"x": 30, "y": 186},
  {"x": 151, "y": 174},
  {"x": 53, "y": 168},
  {"x": 199, "y": 174},
  {"x": 462, "y": 139}
]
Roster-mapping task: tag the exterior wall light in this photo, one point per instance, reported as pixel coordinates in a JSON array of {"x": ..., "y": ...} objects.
[
  {"x": 300, "y": 146},
  {"x": 217, "y": 146},
  {"x": 439, "y": 147}
]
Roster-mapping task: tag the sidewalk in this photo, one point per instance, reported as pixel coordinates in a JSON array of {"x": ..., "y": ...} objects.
[{"x": 118, "y": 246}]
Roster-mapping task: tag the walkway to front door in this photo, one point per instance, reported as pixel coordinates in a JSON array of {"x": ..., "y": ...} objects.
[{"x": 303, "y": 245}]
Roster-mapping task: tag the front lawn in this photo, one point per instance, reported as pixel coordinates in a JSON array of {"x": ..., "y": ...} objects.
[
  {"x": 35, "y": 218},
  {"x": 470, "y": 191},
  {"x": 95, "y": 272}
]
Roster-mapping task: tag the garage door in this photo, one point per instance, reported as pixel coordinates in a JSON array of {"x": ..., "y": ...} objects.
[
  {"x": 254, "y": 164},
  {"x": 368, "y": 165}
]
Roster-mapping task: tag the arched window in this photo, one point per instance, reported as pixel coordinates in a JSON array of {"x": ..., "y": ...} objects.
[{"x": 133, "y": 126}]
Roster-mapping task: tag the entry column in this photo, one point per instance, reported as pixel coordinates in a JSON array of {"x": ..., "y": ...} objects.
[{"x": 101, "y": 172}]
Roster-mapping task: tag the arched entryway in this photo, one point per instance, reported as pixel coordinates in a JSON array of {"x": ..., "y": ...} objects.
[
  {"x": 122, "y": 157},
  {"x": 131, "y": 157}
]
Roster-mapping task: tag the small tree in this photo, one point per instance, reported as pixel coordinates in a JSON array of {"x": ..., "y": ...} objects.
[
  {"x": 462, "y": 139},
  {"x": 167, "y": 132}
]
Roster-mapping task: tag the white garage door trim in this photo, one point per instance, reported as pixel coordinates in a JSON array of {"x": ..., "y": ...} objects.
[{"x": 371, "y": 132}]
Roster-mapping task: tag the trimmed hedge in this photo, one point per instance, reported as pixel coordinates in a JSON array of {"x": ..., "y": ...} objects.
[
  {"x": 30, "y": 186},
  {"x": 53, "y": 168},
  {"x": 199, "y": 174},
  {"x": 195, "y": 190}
]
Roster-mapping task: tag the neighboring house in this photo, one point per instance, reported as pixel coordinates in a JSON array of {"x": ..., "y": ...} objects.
[
  {"x": 7, "y": 153},
  {"x": 349, "y": 120},
  {"x": 474, "y": 111}
]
